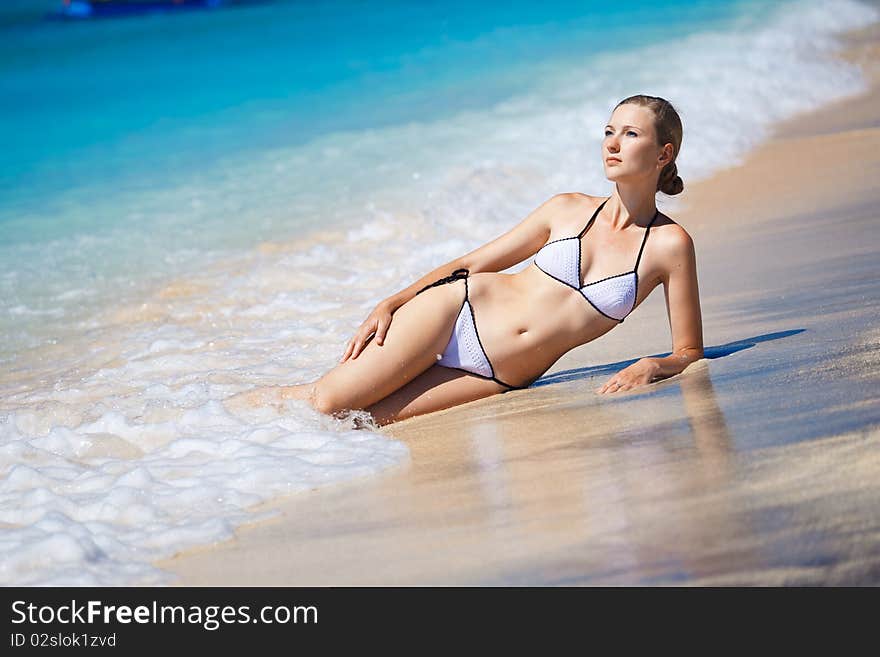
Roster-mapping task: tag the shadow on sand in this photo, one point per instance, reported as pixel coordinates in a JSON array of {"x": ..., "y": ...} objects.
[{"x": 708, "y": 353}]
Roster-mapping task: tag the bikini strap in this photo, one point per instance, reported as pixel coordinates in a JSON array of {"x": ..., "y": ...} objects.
[
  {"x": 645, "y": 239},
  {"x": 590, "y": 222},
  {"x": 458, "y": 273}
]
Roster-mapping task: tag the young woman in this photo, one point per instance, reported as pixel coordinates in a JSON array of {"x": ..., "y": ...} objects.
[{"x": 465, "y": 331}]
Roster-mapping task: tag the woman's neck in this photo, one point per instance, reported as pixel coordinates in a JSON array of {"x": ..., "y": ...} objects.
[{"x": 631, "y": 205}]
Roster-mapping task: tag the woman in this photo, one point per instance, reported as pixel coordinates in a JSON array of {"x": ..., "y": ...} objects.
[{"x": 465, "y": 331}]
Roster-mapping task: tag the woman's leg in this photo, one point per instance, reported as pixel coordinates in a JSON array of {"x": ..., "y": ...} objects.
[
  {"x": 435, "y": 389},
  {"x": 267, "y": 395},
  {"x": 419, "y": 331}
]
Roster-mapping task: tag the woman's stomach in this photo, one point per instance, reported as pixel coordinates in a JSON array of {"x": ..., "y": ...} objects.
[{"x": 527, "y": 321}]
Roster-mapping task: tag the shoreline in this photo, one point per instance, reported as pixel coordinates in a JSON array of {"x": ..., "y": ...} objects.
[
  {"x": 715, "y": 476},
  {"x": 165, "y": 294}
]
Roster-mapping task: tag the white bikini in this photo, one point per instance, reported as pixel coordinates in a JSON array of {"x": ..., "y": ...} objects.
[{"x": 613, "y": 296}]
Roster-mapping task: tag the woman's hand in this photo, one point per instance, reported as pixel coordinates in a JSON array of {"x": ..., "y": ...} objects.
[
  {"x": 377, "y": 322},
  {"x": 639, "y": 373}
]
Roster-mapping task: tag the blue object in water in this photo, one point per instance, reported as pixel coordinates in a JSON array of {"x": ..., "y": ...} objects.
[{"x": 110, "y": 8}]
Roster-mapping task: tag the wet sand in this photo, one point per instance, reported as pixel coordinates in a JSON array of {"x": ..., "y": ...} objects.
[{"x": 760, "y": 464}]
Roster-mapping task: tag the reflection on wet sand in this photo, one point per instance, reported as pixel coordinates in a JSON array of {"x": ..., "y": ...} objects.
[
  {"x": 684, "y": 521},
  {"x": 631, "y": 501},
  {"x": 650, "y": 489}
]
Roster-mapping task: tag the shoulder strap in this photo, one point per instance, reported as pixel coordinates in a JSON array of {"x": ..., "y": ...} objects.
[
  {"x": 645, "y": 239},
  {"x": 590, "y": 222}
]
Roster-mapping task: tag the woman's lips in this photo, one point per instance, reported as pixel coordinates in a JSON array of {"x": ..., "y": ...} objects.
[{"x": 613, "y": 159}]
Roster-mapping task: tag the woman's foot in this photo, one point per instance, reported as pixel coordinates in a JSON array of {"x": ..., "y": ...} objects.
[
  {"x": 269, "y": 395},
  {"x": 304, "y": 391}
]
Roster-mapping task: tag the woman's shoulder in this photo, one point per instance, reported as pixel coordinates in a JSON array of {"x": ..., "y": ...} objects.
[
  {"x": 567, "y": 212},
  {"x": 575, "y": 203},
  {"x": 671, "y": 242},
  {"x": 673, "y": 239},
  {"x": 672, "y": 233},
  {"x": 577, "y": 199}
]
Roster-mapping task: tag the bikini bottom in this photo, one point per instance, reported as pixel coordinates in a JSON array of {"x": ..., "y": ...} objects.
[{"x": 465, "y": 351}]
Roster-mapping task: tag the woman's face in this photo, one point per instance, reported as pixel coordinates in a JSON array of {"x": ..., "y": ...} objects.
[{"x": 630, "y": 151}]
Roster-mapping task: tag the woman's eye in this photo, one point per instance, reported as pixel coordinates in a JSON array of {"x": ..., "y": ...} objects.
[
  {"x": 630, "y": 132},
  {"x": 607, "y": 132}
]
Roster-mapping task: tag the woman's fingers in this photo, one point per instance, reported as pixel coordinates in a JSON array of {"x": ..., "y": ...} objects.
[
  {"x": 348, "y": 347},
  {"x": 362, "y": 339},
  {"x": 364, "y": 332},
  {"x": 613, "y": 386},
  {"x": 381, "y": 331},
  {"x": 353, "y": 347}
]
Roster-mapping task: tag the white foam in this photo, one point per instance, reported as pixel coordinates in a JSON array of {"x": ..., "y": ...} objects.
[{"x": 97, "y": 504}]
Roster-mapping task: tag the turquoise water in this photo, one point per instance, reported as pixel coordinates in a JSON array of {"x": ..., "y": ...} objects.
[{"x": 98, "y": 107}]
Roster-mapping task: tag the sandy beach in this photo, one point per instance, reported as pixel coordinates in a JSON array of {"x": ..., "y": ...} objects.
[{"x": 760, "y": 464}]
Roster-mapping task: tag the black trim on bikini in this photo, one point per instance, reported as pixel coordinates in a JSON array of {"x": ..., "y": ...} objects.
[
  {"x": 645, "y": 239},
  {"x": 634, "y": 270},
  {"x": 590, "y": 222},
  {"x": 575, "y": 237},
  {"x": 580, "y": 246},
  {"x": 639, "y": 258},
  {"x": 463, "y": 274},
  {"x": 483, "y": 376},
  {"x": 601, "y": 280},
  {"x": 480, "y": 342},
  {"x": 585, "y": 285},
  {"x": 579, "y": 291},
  {"x": 561, "y": 239}
]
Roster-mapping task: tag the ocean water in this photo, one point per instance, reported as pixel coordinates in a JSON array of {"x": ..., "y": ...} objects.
[{"x": 195, "y": 204}]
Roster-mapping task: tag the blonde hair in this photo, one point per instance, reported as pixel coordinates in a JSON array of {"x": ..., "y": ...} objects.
[{"x": 667, "y": 127}]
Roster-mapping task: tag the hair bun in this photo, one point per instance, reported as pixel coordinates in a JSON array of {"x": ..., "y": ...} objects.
[
  {"x": 675, "y": 186},
  {"x": 670, "y": 183}
]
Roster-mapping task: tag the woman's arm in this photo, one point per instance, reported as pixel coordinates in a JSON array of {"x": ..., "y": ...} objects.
[
  {"x": 685, "y": 319},
  {"x": 514, "y": 246},
  {"x": 517, "y": 244},
  {"x": 682, "y": 308}
]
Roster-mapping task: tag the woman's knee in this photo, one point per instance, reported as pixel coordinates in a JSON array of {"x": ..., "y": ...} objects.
[
  {"x": 328, "y": 399},
  {"x": 323, "y": 401},
  {"x": 417, "y": 334}
]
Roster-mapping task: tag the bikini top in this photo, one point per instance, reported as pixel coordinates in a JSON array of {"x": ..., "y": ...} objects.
[{"x": 613, "y": 296}]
